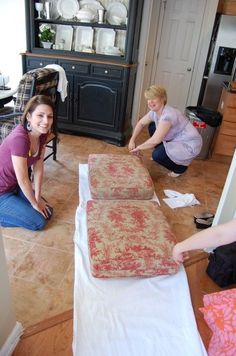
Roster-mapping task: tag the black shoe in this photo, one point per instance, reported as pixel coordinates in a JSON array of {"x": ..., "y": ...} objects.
[
  {"x": 203, "y": 216},
  {"x": 204, "y": 223}
]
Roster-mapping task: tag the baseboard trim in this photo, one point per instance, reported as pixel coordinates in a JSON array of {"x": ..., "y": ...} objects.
[
  {"x": 48, "y": 323},
  {"x": 12, "y": 340},
  {"x": 195, "y": 259}
]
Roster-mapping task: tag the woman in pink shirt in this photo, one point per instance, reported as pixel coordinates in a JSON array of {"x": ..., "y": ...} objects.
[
  {"x": 174, "y": 140},
  {"x": 24, "y": 147}
]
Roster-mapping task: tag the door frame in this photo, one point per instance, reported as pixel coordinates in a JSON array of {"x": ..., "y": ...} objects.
[
  {"x": 149, "y": 43},
  {"x": 226, "y": 209}
]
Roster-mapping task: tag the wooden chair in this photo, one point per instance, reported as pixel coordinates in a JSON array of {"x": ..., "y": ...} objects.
[{"x": 40, "y": 81}]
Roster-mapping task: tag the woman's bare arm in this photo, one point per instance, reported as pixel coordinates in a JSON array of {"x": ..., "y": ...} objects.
[
  {"x": 22, "y": 176},
  {"x": 158, "y": 136},
  {"x": 211, "y": 237},
  {"x": 144, "y": 121}
]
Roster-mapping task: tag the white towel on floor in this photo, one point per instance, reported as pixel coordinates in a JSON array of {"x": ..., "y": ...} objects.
[
  {"x": 177, "y": 200},
  {"x": 62, "y": 83}
]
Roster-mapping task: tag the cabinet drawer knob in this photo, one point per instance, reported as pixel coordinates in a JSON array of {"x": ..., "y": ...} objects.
[
  {"x": 106, "y": 71},
  {"x": 41, "y": 64},
  {"x": 73, "y": 67}
]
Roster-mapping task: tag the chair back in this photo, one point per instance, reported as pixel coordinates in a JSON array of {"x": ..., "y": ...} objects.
[{"x": 39, "y": 81}]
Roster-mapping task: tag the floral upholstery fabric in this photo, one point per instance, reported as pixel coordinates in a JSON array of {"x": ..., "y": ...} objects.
[
  {"x": 220, "y": 314},
  {"x": 129, "y": 238},
  {"x": 119, "y": 177}
]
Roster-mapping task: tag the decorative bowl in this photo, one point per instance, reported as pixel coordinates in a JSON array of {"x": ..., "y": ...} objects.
[{"x": 85, "y": 15}]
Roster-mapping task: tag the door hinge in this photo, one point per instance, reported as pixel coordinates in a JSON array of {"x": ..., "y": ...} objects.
[{"x": 164, "y": 3}]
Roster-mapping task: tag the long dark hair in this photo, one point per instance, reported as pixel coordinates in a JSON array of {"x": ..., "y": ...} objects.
[{"x": 32, "y": 105}]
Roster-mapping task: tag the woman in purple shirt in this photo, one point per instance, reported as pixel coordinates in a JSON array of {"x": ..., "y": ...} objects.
[
  {"x": 176, "y": 142},
  {"x": 24, "y": 147}
]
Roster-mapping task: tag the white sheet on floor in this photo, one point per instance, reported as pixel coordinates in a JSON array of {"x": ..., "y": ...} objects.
[{"x": 129, "y": 316}]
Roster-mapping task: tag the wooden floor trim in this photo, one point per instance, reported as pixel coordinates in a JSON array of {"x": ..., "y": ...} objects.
[
  {"x": 48, "y": 323},
  {"x": 195, "y": 259}
]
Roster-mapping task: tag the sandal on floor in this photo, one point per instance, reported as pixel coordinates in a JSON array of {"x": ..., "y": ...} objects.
[
  {"x": 204, "y": 223},
  {"x": 204, "y": 216},
  {"x": 173, "y": 174}
]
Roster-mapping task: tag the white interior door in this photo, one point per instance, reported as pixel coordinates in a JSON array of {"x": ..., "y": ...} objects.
[{"x": 176, "y": 50}]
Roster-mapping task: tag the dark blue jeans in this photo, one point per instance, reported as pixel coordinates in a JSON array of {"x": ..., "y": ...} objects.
[
  {"x": 16, "y": 211},
  {"x": 159, "y": 155}
]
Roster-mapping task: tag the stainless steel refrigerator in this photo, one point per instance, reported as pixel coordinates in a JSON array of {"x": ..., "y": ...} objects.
[{"x": 221, "y": 63}]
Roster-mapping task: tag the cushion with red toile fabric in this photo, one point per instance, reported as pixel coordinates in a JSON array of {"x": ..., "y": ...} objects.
[
  {"x": 113, "y": 176},
  {"x": 129, "y": 238},
  {"x": 220, "y": 314}
]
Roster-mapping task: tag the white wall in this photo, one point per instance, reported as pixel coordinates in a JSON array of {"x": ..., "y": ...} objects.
[
  {"x": 226, "y": 209},
  {"x": 7, "y": 317},
  {"x": 12, "y": 41},
  {"x": 10, "y": 329},
  {"x": 12, "y": 38}
]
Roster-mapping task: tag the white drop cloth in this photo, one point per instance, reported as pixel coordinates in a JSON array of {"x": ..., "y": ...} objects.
[{"x": 129, "y": 316}]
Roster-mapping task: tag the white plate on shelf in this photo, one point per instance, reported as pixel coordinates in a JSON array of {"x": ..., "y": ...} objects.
[
  {"x": 65, "y": 33},
  {"x": 117, "y": 10},
  {"x": 83, "y": 38},
  {"x": 67, "y": 8},
  {"x": 105, "y": 38}
]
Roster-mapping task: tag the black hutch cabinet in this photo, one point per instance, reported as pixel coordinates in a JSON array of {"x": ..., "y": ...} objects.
[{"x": 99, "y": 57}]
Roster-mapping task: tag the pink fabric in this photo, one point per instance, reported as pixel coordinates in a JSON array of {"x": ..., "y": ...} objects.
[
  {"x": 220, "y": 314},
  {"x": 129, "y": 238},
  {"x": 17, "y": 143},
  {"x": 119, "y": 177}
]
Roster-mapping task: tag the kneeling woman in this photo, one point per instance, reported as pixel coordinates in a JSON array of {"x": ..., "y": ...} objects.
[
  {"x": 24, "y": 147},
  {"x": 176, "y": 142}
]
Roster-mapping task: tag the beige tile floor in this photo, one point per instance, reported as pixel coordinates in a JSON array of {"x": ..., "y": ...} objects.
[{"x": 40, "y": 264}]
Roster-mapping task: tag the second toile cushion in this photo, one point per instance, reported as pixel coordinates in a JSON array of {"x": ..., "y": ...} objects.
[{"x": 129, "y": 238}]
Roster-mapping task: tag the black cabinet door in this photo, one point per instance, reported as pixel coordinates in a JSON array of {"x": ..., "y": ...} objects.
[
  {"x": 97, "y": 109},
  {"x": 97, "y": 103}
]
